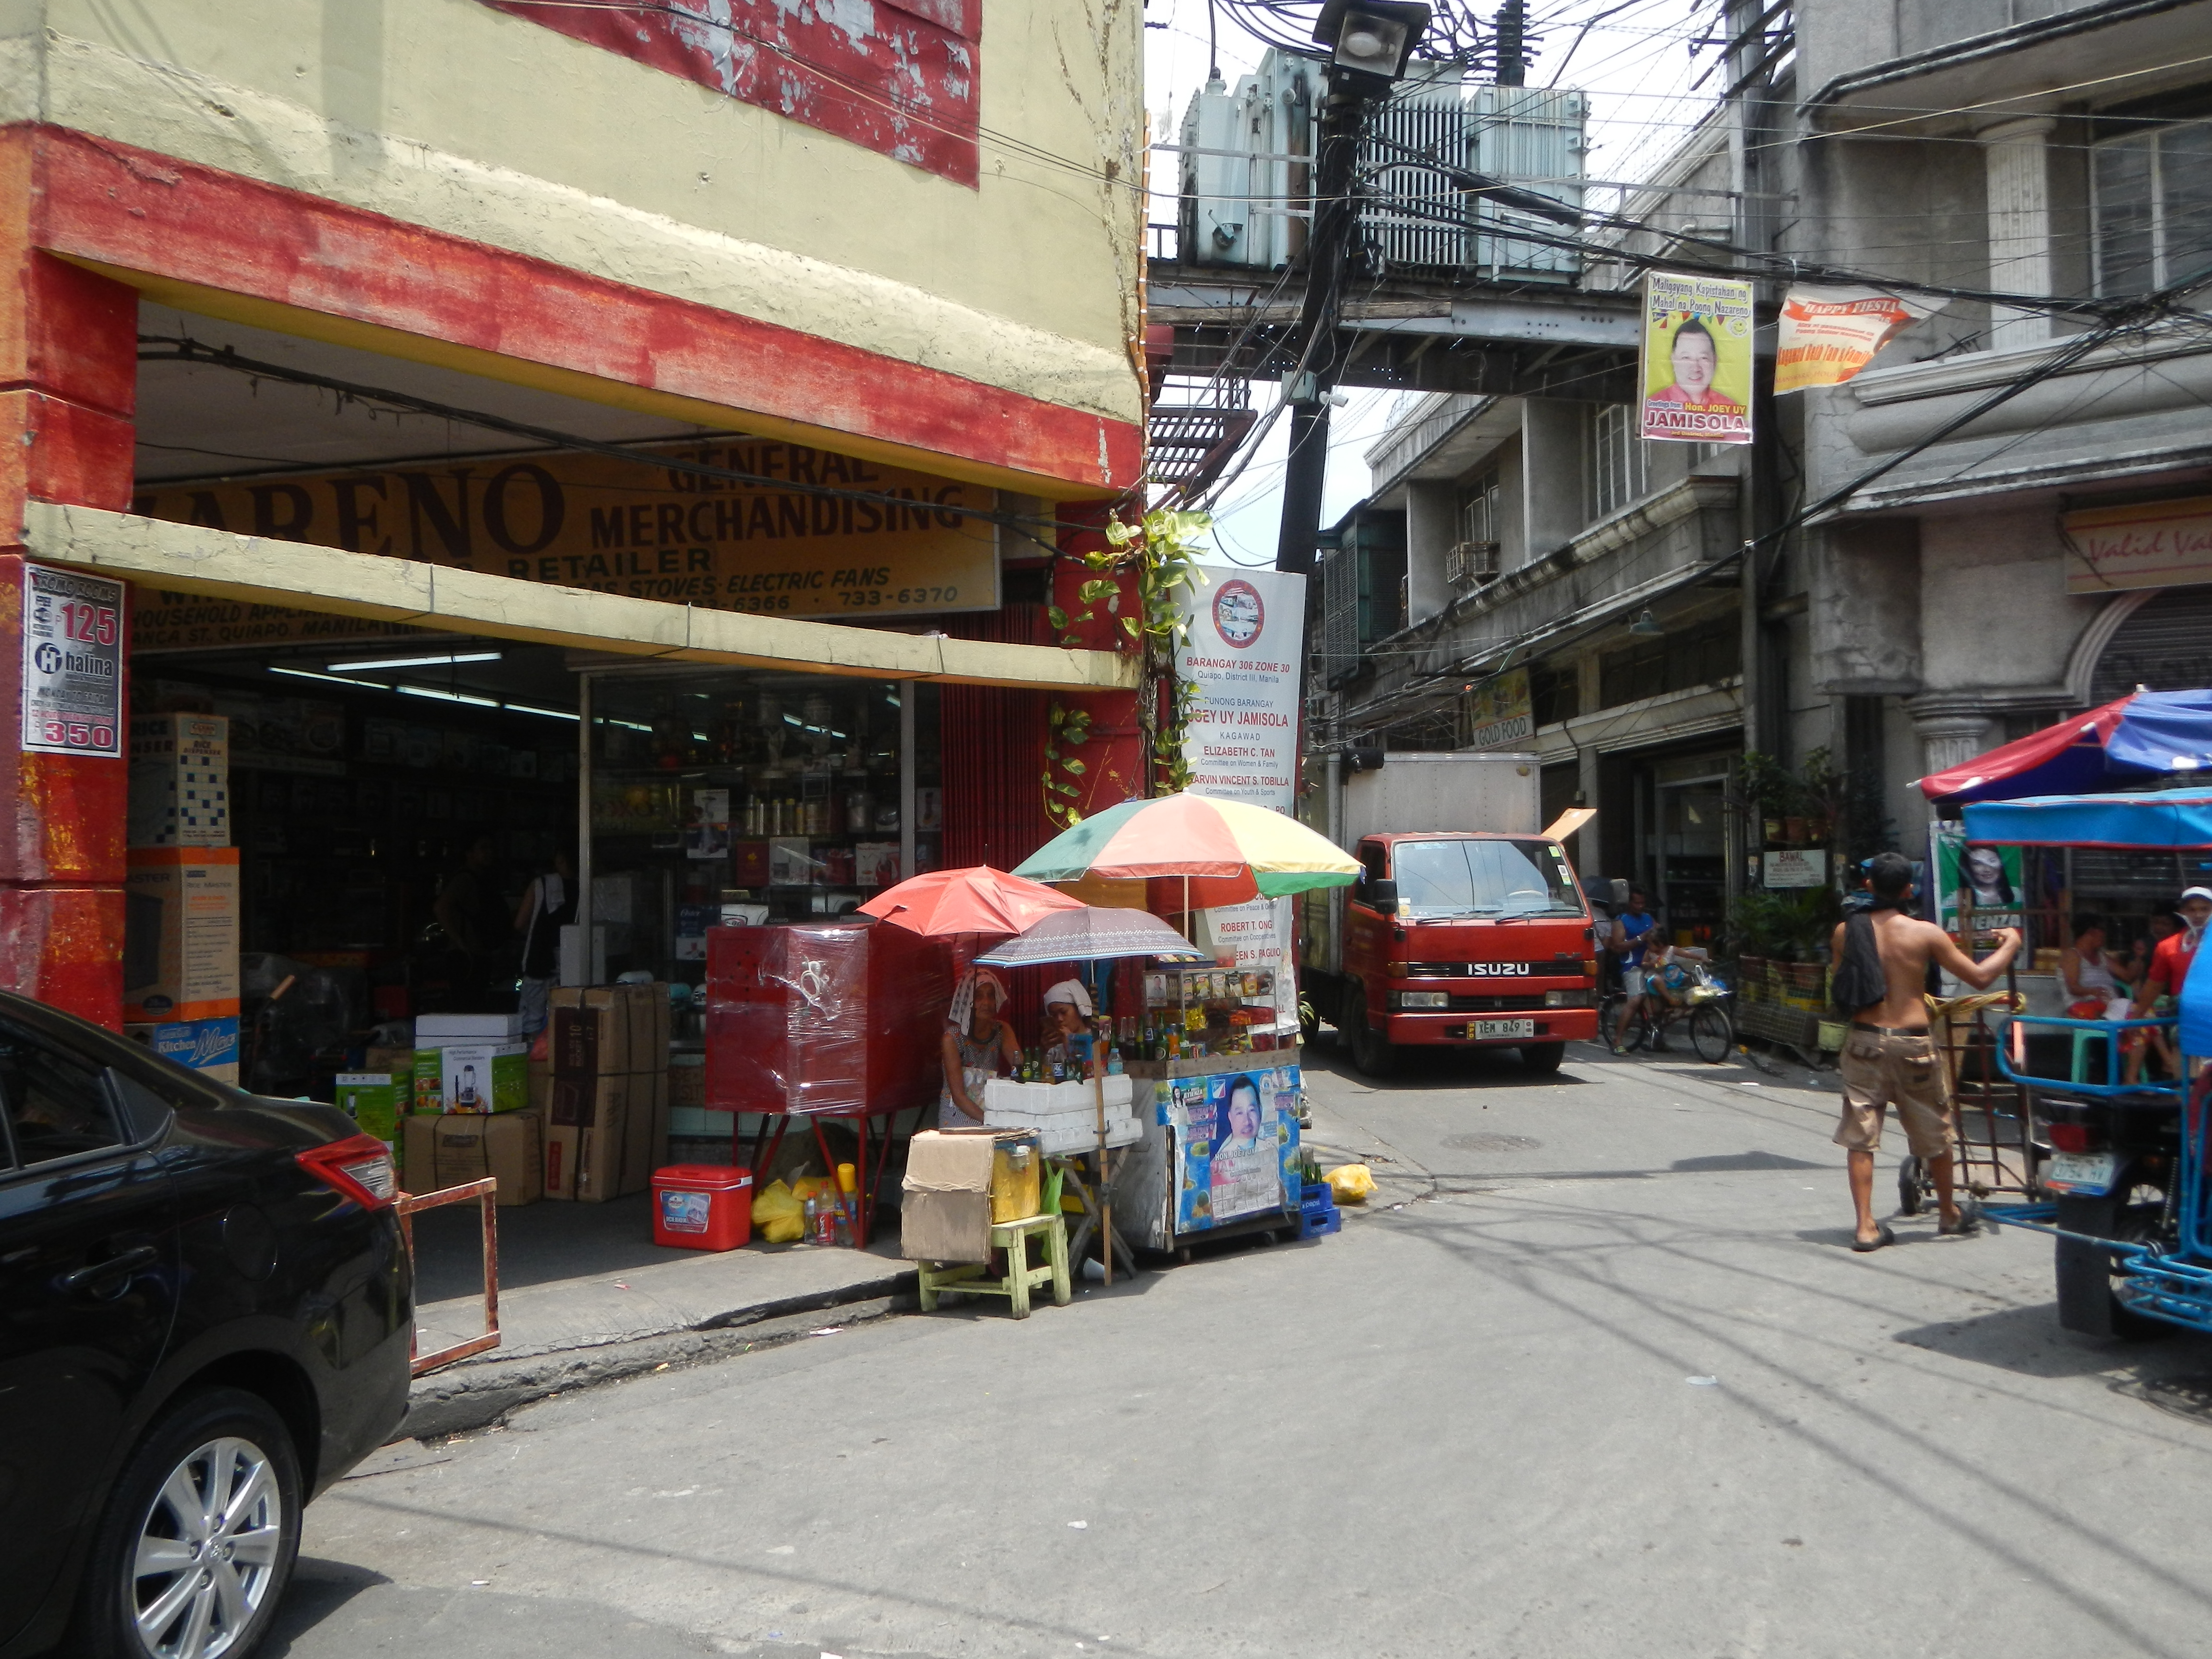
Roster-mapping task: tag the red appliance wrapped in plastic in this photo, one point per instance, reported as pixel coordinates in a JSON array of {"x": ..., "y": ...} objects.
[{"x": 832, "y": 1018}]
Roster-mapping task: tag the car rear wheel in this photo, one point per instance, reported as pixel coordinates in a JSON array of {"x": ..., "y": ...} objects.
[
  {"x": 1542, "y": 1059},
  {"x": 199, "y": 1540},
  {"x": 2085, "y": 1275}
]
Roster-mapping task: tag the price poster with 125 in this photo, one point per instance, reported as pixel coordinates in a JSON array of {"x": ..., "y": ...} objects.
[{"x": 72, "y": 663}]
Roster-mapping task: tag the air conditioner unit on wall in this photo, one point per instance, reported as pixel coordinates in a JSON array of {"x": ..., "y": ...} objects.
[{"x": 1469, "y": 562}]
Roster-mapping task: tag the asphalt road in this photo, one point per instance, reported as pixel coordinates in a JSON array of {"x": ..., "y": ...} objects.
[{"x": 1607, "y": 1381}]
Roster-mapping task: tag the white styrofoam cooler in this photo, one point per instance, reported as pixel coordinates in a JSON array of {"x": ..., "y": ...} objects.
[{"x": 1064, "y": 1115}]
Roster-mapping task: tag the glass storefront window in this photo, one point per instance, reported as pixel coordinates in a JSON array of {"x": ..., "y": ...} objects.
[{"x": 784, "y": 796}]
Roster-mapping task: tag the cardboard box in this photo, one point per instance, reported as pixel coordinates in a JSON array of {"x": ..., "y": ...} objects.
[
  {"x": 396, "y": 1061},
  {"x": 180, "y": 780},
  {"x": 946, "y": 1214},
  {"x": 207, "y": 1045},
  {"x": 428, "y": 1078},
  {"x": 484, "y": 1077},
  {"x": 376, "y": 1102},
  {"x": 456, "y": 1148},
  {"x": 180, "y": 934},
  {"x": 647, "y": 1053},
  {"x": 590, "y": 1027}
]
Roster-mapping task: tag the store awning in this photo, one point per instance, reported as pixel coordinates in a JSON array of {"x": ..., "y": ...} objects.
[
  {"x": 2144, "y": 734},
  {"x": 193, "y": 559}
]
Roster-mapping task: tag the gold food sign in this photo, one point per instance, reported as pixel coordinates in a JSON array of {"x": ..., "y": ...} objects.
[{"x": 826, "y": 537}]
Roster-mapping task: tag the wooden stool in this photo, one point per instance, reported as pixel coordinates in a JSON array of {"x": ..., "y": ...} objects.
[{"x": 1013, "y": 1237}]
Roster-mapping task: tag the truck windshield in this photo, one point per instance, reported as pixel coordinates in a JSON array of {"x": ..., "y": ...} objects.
[{"x": 1440, "y": 879}]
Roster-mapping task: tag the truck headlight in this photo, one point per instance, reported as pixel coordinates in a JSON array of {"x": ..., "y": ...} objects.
[
  {"x": 1566, "y": 999},
  {"x": 1423, "y": 998}
]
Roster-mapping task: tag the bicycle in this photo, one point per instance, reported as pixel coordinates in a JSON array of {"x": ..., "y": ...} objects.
[{"x": 1711, "y": 1032}]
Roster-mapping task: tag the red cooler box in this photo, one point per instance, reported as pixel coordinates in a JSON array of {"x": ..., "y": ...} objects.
[{"x": 702, "y": 1206}]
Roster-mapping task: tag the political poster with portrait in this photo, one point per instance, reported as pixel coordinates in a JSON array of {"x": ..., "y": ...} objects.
[
  {"x": 1244, "y": 632},
  {"x": 1696, "y": 372},
  {"x": 1236, "y": 1141},
  {"x": 1827, "y": 335},
  {"x": 1986, "y": 881}
]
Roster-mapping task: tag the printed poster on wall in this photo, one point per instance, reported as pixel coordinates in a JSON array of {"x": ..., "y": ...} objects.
[
  {"x": 1697, "y": 359},
  {"x": 1989, "y": 877},
  {"x": 1246, "y": 632},
  {"x": 1827, "y": 335},
  {"x": 1236, "y": 1141},
  {"x": 1260, "y": 937},
  {"x": 72, "y": 663}
]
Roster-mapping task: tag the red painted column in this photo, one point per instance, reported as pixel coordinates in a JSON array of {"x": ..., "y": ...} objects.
[{"x": 69, "y": 378}]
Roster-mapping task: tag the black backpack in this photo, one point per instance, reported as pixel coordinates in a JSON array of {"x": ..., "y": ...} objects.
[{"x": 1858, "y": 982}]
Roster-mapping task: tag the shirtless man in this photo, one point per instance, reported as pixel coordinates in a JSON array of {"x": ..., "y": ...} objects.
[{"x": 1889, "y": 1056}]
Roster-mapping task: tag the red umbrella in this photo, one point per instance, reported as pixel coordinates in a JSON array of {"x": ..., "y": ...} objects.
[{"x": 978, "y": 900}]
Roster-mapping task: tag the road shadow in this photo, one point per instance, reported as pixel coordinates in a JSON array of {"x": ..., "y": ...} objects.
[
  {"x": 318, "y": 1590},
  {"x": 1440, "y": 1067},
  {"x": 1742, "y": 1161},
  {"x": 2029, "y": 1342}
]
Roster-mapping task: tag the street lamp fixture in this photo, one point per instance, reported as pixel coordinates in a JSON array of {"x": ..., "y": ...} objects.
[
  {"x": 1646, "y": 627},
  {"x": 1370, "y": 41}
]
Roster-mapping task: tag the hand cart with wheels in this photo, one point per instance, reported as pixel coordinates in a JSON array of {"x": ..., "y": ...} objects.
[{"x": 1997, "y": 1151}]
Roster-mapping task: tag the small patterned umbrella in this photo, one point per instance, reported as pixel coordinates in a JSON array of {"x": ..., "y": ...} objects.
[{"x": 1093, "y": 935}]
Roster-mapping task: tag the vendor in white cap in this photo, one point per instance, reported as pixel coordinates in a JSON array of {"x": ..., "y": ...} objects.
[
  {"x": 1067, "y": 1028},
  {"x": 2169, "y": 967}
]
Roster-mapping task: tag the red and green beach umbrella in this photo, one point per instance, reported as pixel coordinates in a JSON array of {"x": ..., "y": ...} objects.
[{"x": 1195, "y": 850}]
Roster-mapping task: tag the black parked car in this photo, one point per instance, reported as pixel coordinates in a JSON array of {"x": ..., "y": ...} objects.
[{"x": 205, "y": 1305}]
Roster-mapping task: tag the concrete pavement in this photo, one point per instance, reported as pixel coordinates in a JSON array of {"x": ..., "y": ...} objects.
[{"x": 1607, "y": 1383}]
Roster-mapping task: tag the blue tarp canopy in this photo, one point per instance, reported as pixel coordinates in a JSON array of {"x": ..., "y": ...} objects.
[{"x": 2169, "y": 820}]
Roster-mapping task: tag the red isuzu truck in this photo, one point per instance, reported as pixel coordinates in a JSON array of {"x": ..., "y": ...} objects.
[{"x": 1468, "y": 927}]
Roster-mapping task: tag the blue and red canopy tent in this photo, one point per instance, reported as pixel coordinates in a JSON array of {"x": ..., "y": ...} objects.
[{"x": 2144, "y": 735}]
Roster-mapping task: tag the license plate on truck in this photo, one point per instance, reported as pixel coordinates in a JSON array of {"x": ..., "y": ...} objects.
[
  {"x": 2090, "y": 1174},
  {"x": 1500, "y": 1030}
]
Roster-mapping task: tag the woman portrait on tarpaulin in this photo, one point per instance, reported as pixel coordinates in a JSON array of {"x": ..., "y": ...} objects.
[
  {"x": 1695, "y": 358},
  {"x": 1985, "y": 874}
]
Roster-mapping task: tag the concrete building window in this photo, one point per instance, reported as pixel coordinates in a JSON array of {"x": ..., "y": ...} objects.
[
  {"x": 1651, "y": 668},
  {"x": 1555, "y": 694},
  {"x": 1615, "y": 460},
  {"x": 2153, "y": 195},
  {"x": 1482, "y": 511}
]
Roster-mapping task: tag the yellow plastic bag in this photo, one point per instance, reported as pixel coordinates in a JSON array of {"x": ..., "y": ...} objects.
[
  {"x": 1350, "y": 1183},
  {"x": 776, "y": 1202}
]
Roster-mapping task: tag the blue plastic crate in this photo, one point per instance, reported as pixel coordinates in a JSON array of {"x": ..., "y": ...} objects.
[
  {"x": 1317, "y": 1197},
  {"x": 1319, "y": 1225}
]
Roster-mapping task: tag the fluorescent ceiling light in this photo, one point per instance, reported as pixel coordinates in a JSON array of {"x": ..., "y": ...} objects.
[
  {"x": 532, "y": 708},
  {"x": 445, "y": 697},
  {"x": 310, "y": 674},
  {"x": 363, "y": 665}
]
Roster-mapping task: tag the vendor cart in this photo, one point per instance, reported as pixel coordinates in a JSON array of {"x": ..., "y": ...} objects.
[{"x": 2123, "y": 1190}]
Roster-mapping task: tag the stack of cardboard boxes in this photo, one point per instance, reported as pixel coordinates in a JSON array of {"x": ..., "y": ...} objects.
[
  {"x": 471, "y": 1117},
  {"x": 181, "y": 904},
  {"x": 605, "y": 1082}
]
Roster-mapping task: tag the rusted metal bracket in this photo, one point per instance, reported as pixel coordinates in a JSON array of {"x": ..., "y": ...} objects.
[{"x": 486, "y": 1192}]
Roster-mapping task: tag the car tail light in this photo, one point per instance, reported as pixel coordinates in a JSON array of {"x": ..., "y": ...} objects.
[
  {"x": 2071, "y": 1137},
  {"x": 358, "y": 1168}
]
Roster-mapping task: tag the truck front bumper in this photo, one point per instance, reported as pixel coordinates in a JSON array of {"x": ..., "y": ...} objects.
[{"x": 1494, "y": 1030}]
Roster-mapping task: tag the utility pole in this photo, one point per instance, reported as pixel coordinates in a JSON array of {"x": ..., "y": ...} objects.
[{"x": 1370, "y": 41}]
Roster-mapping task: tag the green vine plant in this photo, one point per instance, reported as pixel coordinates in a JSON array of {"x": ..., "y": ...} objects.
[{"x": 1161, "y": 551}]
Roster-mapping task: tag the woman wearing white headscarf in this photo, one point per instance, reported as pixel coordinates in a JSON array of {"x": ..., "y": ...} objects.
[
  {"x": 976, "y": 1040},
  {"x": 1066, "y": 1014}
]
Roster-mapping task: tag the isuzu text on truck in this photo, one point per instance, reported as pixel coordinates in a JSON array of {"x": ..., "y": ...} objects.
[{"x": 1467, "y": 927}]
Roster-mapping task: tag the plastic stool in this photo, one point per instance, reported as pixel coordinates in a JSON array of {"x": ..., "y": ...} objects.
[
  {"x": 2078, "y": 1072},
  {"x": 1013, "y": 1237}
]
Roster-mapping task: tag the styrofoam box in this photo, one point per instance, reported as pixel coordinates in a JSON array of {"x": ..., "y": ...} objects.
[
  {"x": 443, "y": 1031},
  {"x": 1054, "y": 1100},
  {"x": 1073, "y": 1137}
]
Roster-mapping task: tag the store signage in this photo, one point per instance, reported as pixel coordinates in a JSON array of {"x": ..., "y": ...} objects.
[
  {"x": 1500, "y": 711},
  {"x": 1827, "y": 335},
  {"x": 1795, "y": 869},
  {"x": 199, "y": 621},
  {"x": 854, "y": 540},
  {"x": 1244, "y": 631},
  {"x": 1697, "y": 359},
  {"x": 72, "y": 663},
  {"x": 2152, "y": 544}
]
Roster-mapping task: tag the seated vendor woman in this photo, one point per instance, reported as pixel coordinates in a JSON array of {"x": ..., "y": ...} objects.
[
  {"x": 1066, "y": 1022},
  {"x": 977, "y": 1046},
  {"x": 2086, "y": 970}
]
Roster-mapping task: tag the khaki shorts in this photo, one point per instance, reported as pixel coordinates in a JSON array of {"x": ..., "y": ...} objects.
[{"x": 1885, "y": 1068}]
